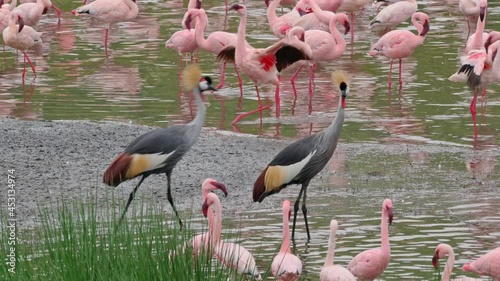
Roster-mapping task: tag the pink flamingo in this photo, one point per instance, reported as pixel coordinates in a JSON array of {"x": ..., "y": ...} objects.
[
  {"x": 214, "y": 43},
  {"x": 352, "y": 6},
  {"x": 325, "y": 5},
  {"x": 109, "y": 12},
  {"x": 370, "y": 264},
  {"x": 394, "y": 14},
  {"x": 5, "y": 11},
  {"x": 488, "y": 265},
  {"x": 441, "y": 251},
  {"x": 399, "y": 44},
  {"x": 230, "y": 254},
  {"x": 317, "y": 19},
  {"x": 286, "y": 266},
  {"x": 280, "y": 25},
  {"x": 470, "y": 9},
  {"x": 32, "y": 12},
  {"x": 47, "y": 4},
  {"x": 261, "y": 65},
  {"x": 184, "y": 42},
  {"x": 21, "y": 37},
  {"x": 202, "y": 241},
  {"x": 331, "y": 272},
  {"x": 478, "y": 38},
  {"x": 325, "y": 46}
]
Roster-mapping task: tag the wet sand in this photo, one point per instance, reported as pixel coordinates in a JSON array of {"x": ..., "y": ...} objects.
[{"x": 66, "y": 159}]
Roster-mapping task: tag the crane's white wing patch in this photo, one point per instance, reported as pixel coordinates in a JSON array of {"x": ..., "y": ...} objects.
[{"x": 291, "y": 171}]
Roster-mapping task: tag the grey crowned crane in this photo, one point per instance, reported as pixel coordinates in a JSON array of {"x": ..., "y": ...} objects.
[
  {"x": 299, "y": 162},
  {"x": 159, "y": 151}
]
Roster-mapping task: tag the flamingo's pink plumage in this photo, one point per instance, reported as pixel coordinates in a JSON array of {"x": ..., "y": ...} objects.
[
  {"x": 330, "y": 271},
  {"x": 488, "y": 265},
  {"x": 441, "y": 251}
]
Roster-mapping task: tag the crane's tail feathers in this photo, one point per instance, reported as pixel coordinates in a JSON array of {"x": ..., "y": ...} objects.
[
  {"x": 339, "y": 76},
  {"x": 191, "y": 77},
  {"x": 259, "y": 186},
  {"x": 117, "y": 171}
]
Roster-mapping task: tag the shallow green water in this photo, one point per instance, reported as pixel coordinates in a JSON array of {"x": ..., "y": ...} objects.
[{"x": 139, "y": 83}]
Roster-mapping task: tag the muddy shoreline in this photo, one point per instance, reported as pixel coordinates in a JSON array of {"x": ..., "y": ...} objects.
[{"x": 66, "y": 159}]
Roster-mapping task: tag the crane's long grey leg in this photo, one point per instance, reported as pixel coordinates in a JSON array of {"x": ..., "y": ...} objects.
[
  {"x": 304, "y": 209},
  {"x": 295, "y": 210},
  {"x": 171, "y": 201},
  {"x": 130, "y": 198}
]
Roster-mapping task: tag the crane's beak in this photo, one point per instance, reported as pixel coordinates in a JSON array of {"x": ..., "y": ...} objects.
[{"x": 210, "y": 87}]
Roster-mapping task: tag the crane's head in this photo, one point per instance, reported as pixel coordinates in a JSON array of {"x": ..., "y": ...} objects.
[
  {"x": 192, "y": 79},
  {"x": 342, "y": 80}
]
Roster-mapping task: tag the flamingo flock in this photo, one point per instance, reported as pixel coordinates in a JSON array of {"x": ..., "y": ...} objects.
[{"x": 307, "y": 35}]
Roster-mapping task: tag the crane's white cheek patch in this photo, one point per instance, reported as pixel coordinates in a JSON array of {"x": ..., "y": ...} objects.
[{"x": 146, "y": 162}]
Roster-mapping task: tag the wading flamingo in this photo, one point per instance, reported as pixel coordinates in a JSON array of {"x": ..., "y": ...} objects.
[
  {"x": 21, "y": 37},
  {"x": 470, "y": 9},
  {"x": 286, "y": 266},
  {"x": 280, "y": 25},
  {"x": 109, "y": 12},
  {"x": 317, "y": 19},
  {"x": 478, "y": 38},
  {"x": 441, "y": 251},
  {"x": 331, "y": 272},
  {"x": 230, "y": 254},
  {"x": 325, "y": 46},
  {"x": 370, "y": 264},
  {"x": 32, "y": 12},
  {"x": 184, "y": 42},
  {"x": 202, "y": 241},
  {"x": 399, "y": 44},
  {"x": 303, "y": 159},
  {"x": 487, "y": 265},
  {"x": 214, "y": 43},
  {"x": 394, "y": 14},
  {"x": 352, "y": 6},
  {"x": 47, "y": 4},
  {"x": 261, "y": 65},
  {"x": 5, "y": 11}
]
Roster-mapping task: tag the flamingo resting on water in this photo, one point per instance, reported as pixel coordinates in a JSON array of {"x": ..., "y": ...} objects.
[
  {"x": 109, "y": 12},
  {"x": 441, "y": 251},
  {"x": 399, "y": 44},
  {"x": 371, "y": 263},
  {"x": 230, "y": 254},
  {"x": 21, "y": 37},
  {"x": 286, "y": 266},
  {"x": 330, "y": 271}
]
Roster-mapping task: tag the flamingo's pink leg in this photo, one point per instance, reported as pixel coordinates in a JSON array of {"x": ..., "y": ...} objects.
[
  {"x": 311, "y": 80},
  {"x": 277, "y": 98},
  {"x": 389, "y": 81},
  {"x": 223, "y": 76},
  {"x": 239, "y": 117},
  {"x": 483, "y": 93},
  {"x": 292, "y": 80},
  {"x": 240, "y": 82},
  {"x": 24, "y": 68},
  {"x": 180, "y": 68},
  {"x": 473, "y": 103},
  {"x": 258, "y": 96},
  {"x": 58, "y": 13},
  {"x": 400, "y": 75},
  {"x": 106, "y": 41},
  {"x": 31, "y": 64}
]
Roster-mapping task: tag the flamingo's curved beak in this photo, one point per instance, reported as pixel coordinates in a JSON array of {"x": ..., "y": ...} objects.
[
  {"x": 204, "y": 209},
  {"x": 187, "y": 22},
  {"x": 198, "y": 4},
  {"x": 21, "y": 23},
  {"x": 347, "y": 27},
  {"x": 235, "y": 7},
  {"x": 266, "y": 2},
  {"x": 435, "y": 259},
  {"x": 220, "y": 186},
  {"x": 482, "y": 13},
  {"x": 494, "y": 55},
  {"x": 425, "y": 28},
  {"x": 390, "y": 215}
]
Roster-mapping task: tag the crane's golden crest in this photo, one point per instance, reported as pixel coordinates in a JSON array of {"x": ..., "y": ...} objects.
[
  {"x": 339, "y": 76},
  {"x": 191, "y": 77}
]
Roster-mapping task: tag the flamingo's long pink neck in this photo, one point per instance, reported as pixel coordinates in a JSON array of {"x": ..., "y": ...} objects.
[
  {"x": 217, "y": 225},
  {"x": 13, "y": 4},
  {"x": 201, "y": 25},
  {"x": 339, "y": 48},
  {"x": 324, "y": 16},
  {"x": 449, "y": 265},
  {"x": 272, "y": 18},
  {"x": 384, "y": 227},
  {"x": 285, "y": 245},
  {"x": 478, "y": 35},
  {"x": 242, "y": 32},
  {"x": 331, "y": 247}
]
